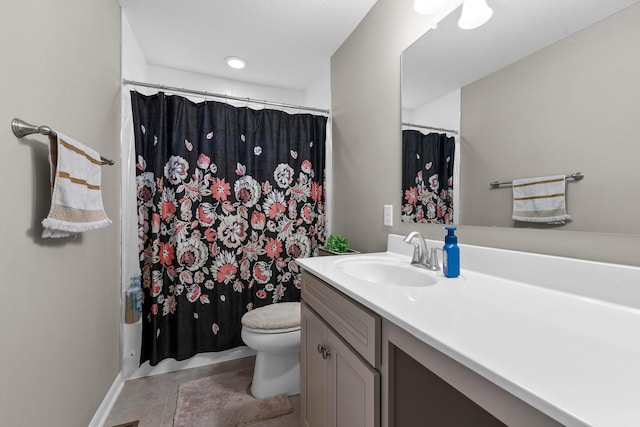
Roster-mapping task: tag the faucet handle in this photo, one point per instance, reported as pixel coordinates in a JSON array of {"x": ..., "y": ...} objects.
[
  {"x": 417, "y": 254},
  {"x": 433, "y": 259}
]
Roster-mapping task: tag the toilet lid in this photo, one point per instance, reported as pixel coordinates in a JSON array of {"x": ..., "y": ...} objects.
[{"x": 283, "y": 315}]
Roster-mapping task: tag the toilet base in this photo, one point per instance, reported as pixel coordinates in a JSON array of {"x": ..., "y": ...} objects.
[{"x": 276, "y": 374}]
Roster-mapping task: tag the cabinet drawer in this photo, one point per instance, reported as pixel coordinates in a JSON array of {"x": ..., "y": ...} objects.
[{"x": 356, "y": 324}]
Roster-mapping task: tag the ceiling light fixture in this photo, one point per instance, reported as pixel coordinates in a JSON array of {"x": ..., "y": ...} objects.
[
  {"x": 235, "y": 62},
  {"x": 474, "y": 14},
  {"x": 427, "y": 7}
]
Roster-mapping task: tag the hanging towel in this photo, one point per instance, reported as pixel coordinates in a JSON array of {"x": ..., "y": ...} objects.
[
  {"x": 76, "y": 197},
  {"x": 540, "y": 200}
]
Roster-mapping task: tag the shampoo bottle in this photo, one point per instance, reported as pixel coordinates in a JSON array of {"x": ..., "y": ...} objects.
[{"x": 451, "y": 254}]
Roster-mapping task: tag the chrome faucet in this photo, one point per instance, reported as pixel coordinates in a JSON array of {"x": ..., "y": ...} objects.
[{"x": 421, "y": 255}]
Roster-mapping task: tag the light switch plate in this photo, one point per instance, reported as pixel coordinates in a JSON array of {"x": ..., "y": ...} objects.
[{"x": 388, "y": 215}]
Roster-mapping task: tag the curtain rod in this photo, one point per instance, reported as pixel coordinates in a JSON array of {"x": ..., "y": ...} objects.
[
  {"x": 453, "y": 131},
  {"x": 218, "y": 95}
]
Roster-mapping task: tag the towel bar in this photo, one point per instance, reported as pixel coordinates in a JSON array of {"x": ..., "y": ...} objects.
[
  {"x": 21, "y": 128},
  {"x": 575, "y": 176}
]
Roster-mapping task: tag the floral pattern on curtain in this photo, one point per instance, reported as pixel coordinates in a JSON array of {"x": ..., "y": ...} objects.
[
  {"x": 228, "y": 198},
  {"x": 427, "y": 177}
]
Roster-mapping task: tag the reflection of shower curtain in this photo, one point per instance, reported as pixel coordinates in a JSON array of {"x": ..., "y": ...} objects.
[
  {"x": 427, "y": 177},
  {"x": 227, "y": 199}
]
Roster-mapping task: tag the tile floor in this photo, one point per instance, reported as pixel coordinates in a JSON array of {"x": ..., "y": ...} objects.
[{"x": 152, "y": 400}]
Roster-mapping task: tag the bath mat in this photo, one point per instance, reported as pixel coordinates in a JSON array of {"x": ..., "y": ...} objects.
[{"x": 223, "y": 400}]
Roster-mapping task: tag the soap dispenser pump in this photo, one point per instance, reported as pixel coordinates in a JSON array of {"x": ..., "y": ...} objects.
[{"x": 451, "y": 254}]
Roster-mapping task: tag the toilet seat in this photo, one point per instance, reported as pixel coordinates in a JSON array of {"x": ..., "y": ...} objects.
[{"x": 271, "y": 331}]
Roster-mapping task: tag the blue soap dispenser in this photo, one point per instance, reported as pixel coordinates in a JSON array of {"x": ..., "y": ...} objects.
[{"x": 451, "y": 254}]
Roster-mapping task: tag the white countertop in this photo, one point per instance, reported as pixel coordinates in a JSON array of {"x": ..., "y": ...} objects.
[{"x": 574, "y": 358}]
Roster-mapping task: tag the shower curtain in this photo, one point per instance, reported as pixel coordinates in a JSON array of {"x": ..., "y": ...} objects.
[
  {"x": 228, "y": 198},
  {"x": 427, "y": 177}
]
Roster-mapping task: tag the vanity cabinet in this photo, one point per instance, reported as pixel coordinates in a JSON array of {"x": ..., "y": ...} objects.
[
  {"x": 359, "y": 370},
  {"x": 496, "y": 346},
  {"x": 340, "y": 350}
]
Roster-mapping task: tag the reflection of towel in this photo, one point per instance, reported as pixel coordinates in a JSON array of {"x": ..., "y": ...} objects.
[
  {"x": 76, "y": 199},
  {"x": 540, "y": 200}
]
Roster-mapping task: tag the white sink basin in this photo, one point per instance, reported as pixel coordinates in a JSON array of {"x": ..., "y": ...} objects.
[{"x": 386, "y": 272}]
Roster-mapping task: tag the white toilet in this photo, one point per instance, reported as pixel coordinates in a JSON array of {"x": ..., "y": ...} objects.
[{"x": 274, "y": 332}]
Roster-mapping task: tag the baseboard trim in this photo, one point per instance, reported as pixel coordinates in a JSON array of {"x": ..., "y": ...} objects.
[
  {"x": 101, "y": 415},
  {"x": 201, "y": 359}
]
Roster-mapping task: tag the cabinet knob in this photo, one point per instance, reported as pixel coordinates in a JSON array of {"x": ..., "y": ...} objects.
[
  {"x": 326, "y": 353},
  {"x": 323, "y": 351}
]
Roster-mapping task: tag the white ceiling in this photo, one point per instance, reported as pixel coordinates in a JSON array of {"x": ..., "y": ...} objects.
[
  {"x": 449, "y": 58},
  {"x": 287, "y": 43}
]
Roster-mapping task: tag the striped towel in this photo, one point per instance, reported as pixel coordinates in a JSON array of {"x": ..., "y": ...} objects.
[
  {"x": 540, "y": 200},
  {"x": 76, "y": 198}
]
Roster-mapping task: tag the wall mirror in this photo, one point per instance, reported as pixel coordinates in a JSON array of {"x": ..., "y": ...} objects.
[{"x": 543, "y": 88}]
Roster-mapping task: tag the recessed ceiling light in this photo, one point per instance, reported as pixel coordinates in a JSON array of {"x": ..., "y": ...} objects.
[{"x": 235, "y": 62}]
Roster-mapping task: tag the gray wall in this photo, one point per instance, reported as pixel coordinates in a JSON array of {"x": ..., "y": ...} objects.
[
  {"x": 365, "y": 73},
  {"x": 570, "y": 107},
  {"x": 59, "y": 308}
]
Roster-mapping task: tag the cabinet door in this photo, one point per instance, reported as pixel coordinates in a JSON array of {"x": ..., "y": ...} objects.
[
  {"x": 354, "y": 387},
  {"x": 314, "y": 371}
]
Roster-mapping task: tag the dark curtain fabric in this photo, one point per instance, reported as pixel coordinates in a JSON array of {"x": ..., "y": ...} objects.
[
  {"x": 228, "y": 198},
  {"x": 427, "y": 177}
]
